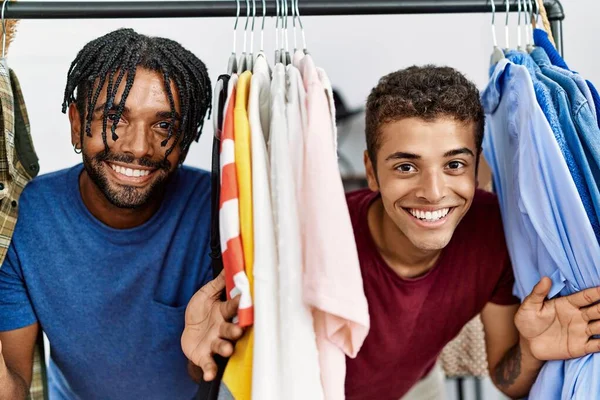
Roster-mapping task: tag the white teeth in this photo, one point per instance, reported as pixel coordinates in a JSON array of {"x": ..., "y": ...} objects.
[
  {"x": 129, "y": 171},
  {"x": 430, "y": 216}
]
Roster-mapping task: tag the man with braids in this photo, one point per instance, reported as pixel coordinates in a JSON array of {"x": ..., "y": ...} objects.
[
  {"x": 107, "y": 254},
  {"x": 432, "y": 253}
]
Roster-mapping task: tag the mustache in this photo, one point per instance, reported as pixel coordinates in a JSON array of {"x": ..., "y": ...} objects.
[{"x": 107, "y": 156}]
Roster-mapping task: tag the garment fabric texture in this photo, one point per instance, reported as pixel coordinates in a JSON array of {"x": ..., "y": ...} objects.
[
  {"x": 238, "y": 373},
  {"x": 18, "y": 160},
  {"x": 210, "y": 390},
  {"x": 555, "y": 105},
  {"x": 236, "y": 281},
  {"x": 129, "y": 287},
  {"x": 547, "y": 229},
  {"x": 587, "y": 145},
  {"x": 540, "y": 38},
  {"x": 409, "y": 317},
  {"x": 298, "y": 353},
  {"x": 266, "y": 376},
  {"x": 332, "y": 282}
]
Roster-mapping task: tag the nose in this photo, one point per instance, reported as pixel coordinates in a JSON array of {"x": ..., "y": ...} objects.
[
  {"x": 432, "y": 187},
  {"x": 135, "y": 140}
]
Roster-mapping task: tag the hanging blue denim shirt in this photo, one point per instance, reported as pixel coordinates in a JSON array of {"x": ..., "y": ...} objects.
[
  {"x": 546, "y": 226},
  {"x": 540, "y": 38},
  {"x": 552, "y": 109},
  {"x": 588, "y": 157}
]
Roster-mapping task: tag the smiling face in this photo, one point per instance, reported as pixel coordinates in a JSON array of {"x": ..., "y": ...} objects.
[
  {"x": 134, "y": 170},
  {"x": 425, "y": 173}
]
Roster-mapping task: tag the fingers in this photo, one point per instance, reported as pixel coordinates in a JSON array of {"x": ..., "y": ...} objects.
[
  {"x": 593, "y": 328},
  {"x": 215, "y": 286},
  {"x": 591, "y": 313},
  {"x": 592, "y": 346},
  {"x": 230, "y": 331},
  {"x": 585, "y": 297},
  {"x": 221, "y": 347},
  {"x": 229, "y": 308},
  {"x": 538, "y": 294},
  {"x": 209, "y": 367}
]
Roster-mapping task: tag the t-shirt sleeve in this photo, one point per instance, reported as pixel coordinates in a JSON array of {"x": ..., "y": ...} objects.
[
  {"x": 503, "y": 293},
  {"x": 16, "y": 310}
]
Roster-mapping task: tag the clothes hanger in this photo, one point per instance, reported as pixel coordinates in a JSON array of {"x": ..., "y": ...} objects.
[
  {"x": 301, "y": 29},
  {"x": 242, "y": 65},
  {"x": 530, "y": 24},
  {"x": 497, "y": 53},
  {"x": 506, "y": 29},
  {"x": 519, "y": 27},
  {"x": 277, "y": 51},
  {"x": 287, "y": 59},
  {"x": 232, "y": 64},
  {"x": 262, "y": 30},
  {"x": 294, "y": 25},
  {"x": 250, "y": 56}
]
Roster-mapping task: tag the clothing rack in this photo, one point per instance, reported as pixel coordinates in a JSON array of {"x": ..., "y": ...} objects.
[{"x": 197, "y": 9}]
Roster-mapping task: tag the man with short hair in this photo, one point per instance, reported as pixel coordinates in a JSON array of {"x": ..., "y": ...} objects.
[
  {"x": 106, "y": 255},
  {"x": 432, "y": 252}
]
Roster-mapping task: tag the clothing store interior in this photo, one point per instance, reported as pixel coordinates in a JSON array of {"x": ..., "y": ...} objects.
[{"x": 444, "y": 268}]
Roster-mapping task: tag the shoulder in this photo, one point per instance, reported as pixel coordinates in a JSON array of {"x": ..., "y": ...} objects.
[
  {"x": 358, "y": 201},
  {"x": 50, "y": 186},
  {"x": 192, "y": 185}
]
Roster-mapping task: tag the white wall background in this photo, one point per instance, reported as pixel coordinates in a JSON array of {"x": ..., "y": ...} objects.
[{"x": 355, "y": 50}]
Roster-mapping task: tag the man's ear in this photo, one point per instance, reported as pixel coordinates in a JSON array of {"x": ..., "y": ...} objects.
[
  {"x": 75, "y": 120},
  {"x": 370, "y": 170}
]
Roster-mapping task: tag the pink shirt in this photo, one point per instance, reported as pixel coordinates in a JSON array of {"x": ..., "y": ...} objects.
[{"x": 332, "y": 279}]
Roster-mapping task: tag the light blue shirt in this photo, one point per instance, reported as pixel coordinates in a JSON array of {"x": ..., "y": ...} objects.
[{"x": 547, "y": 230}]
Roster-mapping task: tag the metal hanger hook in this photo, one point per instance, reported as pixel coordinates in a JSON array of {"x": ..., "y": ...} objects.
[
  {"x": 253, "y": 18},
  {"x": 495, "y": 40},
  {"x": 301, "y": 26},
  {"x": 246, "y": 25},
  {"x": 237, "y": 17},
  {"x": 262, "y": 28},
  {"x": 506, "y": 32},
  {"x": 4, "y": 29}
]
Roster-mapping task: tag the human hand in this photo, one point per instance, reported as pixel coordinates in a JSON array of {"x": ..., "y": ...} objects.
[
  {"x": 560, "y": 328},
  {"x": 207, "y": 328}
]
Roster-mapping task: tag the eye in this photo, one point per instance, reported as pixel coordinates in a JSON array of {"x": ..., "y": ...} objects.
[
  {"x": 406, "y": 168},
  {"x": 164, "y": 125},
  {"x": 456, "y": 165},
  {"x": 112, "y": 117}
]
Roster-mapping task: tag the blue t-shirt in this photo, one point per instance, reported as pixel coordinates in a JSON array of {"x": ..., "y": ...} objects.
[{"x": 111, "y": 301}]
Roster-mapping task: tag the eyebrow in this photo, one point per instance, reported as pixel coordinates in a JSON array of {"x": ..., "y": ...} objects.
[
  {"x": 160, "y": 114},
  {"x": 458, "y": 152},
  {"x": 412, "y": 156},
  {"x": 401, "y": 154}
]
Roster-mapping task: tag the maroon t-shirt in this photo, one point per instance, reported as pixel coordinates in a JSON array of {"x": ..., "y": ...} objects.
[{"x": 413, "y": 319}]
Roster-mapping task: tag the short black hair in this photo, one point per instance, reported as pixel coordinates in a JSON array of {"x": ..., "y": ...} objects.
[
  {"x": 426, "y": 92},
  {"x": 118, "y": 54}
]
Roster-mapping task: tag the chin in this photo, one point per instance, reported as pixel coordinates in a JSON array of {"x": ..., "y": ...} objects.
[{"x": 431, "y": 244}]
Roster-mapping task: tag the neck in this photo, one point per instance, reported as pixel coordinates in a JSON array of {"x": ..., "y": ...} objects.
[
  {"x": 108, "y": 213},
  {"x": 400, "y": 254}
]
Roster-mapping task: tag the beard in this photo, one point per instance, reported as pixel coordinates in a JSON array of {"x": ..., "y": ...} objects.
[{"x": 127, "y": 196}]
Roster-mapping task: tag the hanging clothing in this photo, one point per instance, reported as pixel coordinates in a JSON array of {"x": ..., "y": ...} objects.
[
  {"x": 18, "y": 160},
  {"x": 409, "y": 317},
  {"x": 587, "y": 147},
  {"x": 540, "y": 38},
  {"x": 554, "y": 103},
  {"x": 238, "y": 373},
  {"x": 332, "y": 282},
  {"x": 236, "y": 281},
  {"x": 548, "y": 232},
  {"x": 266, "y": 368},
  {"x": 298, "y": 353}
]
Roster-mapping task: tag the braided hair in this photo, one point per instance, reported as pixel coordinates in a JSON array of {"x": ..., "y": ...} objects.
[{"x": 116, "y": 56}]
